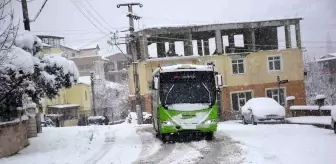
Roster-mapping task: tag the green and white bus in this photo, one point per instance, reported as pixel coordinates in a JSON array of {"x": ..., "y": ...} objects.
[{"x": 184, "y": 100}]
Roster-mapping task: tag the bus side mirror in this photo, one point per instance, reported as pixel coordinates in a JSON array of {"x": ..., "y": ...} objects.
[
  {"x": 219, "y": 80},
  {"x": 156, "y": 83}
]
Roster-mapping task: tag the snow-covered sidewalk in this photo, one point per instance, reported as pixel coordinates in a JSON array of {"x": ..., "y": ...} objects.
[
  {"x": 90, "y": 144},
  {"x": 283, "y": 143},
  {"x": 321, "y": 120}
]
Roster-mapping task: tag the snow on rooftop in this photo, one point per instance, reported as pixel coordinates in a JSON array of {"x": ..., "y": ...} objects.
[
  {"x": 87, "y": 80},
  {"x": 326, "y": 59},
  {"x": 46, "y": 45},
  {"x": 290, "y": 98},
  {"x": 332, "y": 54},
  {"x": 81, "y": 47},
  {"x": 61, "y": 106}
]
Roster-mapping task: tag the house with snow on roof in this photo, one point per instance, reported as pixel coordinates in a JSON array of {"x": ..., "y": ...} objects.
[
  {"x": 76, "y": 51},
  {"x": 51, "y": 43},
  {"x": 116, "y": 67}
]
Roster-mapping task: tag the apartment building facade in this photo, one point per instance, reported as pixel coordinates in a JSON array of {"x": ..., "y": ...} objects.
[{"x": 248, "y": 72}]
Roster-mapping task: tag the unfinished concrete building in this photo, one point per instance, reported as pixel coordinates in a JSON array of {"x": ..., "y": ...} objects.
[{"x": 259, "y": 35}]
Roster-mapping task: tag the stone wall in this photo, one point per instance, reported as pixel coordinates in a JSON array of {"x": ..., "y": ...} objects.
[{"x": 13, "y": 138}]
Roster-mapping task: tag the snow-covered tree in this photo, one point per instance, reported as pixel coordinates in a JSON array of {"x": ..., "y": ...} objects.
[
  {"x": 318, "y": 82},
  {"x": 112, "y": 99},
  {"x": 22, "y": 73}
]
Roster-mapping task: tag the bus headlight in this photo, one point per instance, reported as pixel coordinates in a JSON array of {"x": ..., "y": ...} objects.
[
  {"x": 209, "y": 121},
  {"x": 167, "y": 123}
]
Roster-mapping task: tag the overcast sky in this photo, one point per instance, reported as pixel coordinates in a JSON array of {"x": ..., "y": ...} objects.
[{"x": 61, "y": 17}]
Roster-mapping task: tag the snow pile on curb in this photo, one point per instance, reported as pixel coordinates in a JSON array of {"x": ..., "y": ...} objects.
[
  {"x": 322, "y": 120},
  {"x": 312, "y": 107}
]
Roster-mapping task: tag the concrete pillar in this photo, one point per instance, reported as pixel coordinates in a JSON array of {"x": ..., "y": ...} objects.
[
  {"x": 115, "y": 65},
  {"x": 172, "y": 47},
  {"x": 219, "y": 41},
  {"x": 199, "y": 48},
  {"x": 288, "y": 36},
  {"x": 231, "y": 43},
  {"x": 161, "y": 50},
  {"x": 298, "y": 35},
  {"x": 206, "y": 46},
  {"x": 253, "y": 40},
  {"x": 143, "y": 47},
  {"x": 188, "y": 47}
]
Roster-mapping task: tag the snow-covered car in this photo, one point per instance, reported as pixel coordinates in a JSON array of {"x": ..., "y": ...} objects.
[
  {"x": 133, "y": 117},
  {"x": 147, "y": 118},
  {"x": 261, "y": 109},
  {"x": 333, "y": 119}
]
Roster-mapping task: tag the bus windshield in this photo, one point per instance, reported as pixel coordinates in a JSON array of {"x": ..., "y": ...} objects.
[{"x": 189, "y": 87}]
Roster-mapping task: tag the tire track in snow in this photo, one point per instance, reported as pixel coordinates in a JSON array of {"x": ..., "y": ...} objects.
[
  {"x": 222, "y": 149},
  {"x": 109, "y": 139},
  {"x": 148, "y": 139}
]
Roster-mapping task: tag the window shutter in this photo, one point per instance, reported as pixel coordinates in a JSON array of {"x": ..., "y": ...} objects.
[
  {"x": 234, "y": 98},
  {"x": 277, "y": 65},
  {"x": 269, "y": 93},
  {"x": 234, "y": 69},
  {"x": 248, "y": 96},
  {"x": 241, "y": 68}
]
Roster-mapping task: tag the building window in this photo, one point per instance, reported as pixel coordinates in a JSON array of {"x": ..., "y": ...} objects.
[
  {"x": 238, "y": 66},
  {"x": 85, "y": 95},
  {"x": 274, "y": 63},
  {"x": 239, "y": 99},
  {"x": 274, "y": 93}
]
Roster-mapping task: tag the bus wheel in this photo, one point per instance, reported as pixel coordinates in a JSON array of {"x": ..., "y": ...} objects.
[
  {"x": 209, "y": 136},
  {"x": 164, "y": 138}
]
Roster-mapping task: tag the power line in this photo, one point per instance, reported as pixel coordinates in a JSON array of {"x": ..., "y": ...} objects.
[
  {"x": 81, "y": 11},
  {"x": 90, "y": 14},
  {"x": 98, "y": 14},
  {"x": 27, "y": 1},
  {"x": 93, "y": 41}
]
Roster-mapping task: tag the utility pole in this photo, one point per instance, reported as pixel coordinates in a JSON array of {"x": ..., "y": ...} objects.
[
  {"x": 26, "y": 21},
  {"x": 92, "y": 77},
  {"x": 132, "y": 45}
]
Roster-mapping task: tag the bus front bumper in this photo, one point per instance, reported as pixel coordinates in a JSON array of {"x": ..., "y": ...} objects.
[{"x": 173, "y": 128}]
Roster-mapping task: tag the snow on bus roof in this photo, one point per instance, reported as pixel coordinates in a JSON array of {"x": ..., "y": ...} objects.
[{"x": 183, "y": 67}]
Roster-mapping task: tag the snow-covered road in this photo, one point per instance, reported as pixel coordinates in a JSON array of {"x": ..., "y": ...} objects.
[
  {"x": 221, "y": 150},
  {"x": 127, "y": 143},
  {"x": 283, "y": 143}
]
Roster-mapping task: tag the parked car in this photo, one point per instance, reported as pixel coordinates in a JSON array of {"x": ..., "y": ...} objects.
[
  {"x": 47, "y": 123},
  {"x": 132, "y": 117},
  {"x": 261, "y": 109},
  {"x": 333, "y": 119},
  {"x": 96, "y": 120}
]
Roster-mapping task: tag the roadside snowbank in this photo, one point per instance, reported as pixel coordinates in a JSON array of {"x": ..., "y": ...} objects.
[{"x": 78, "y": 145}]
